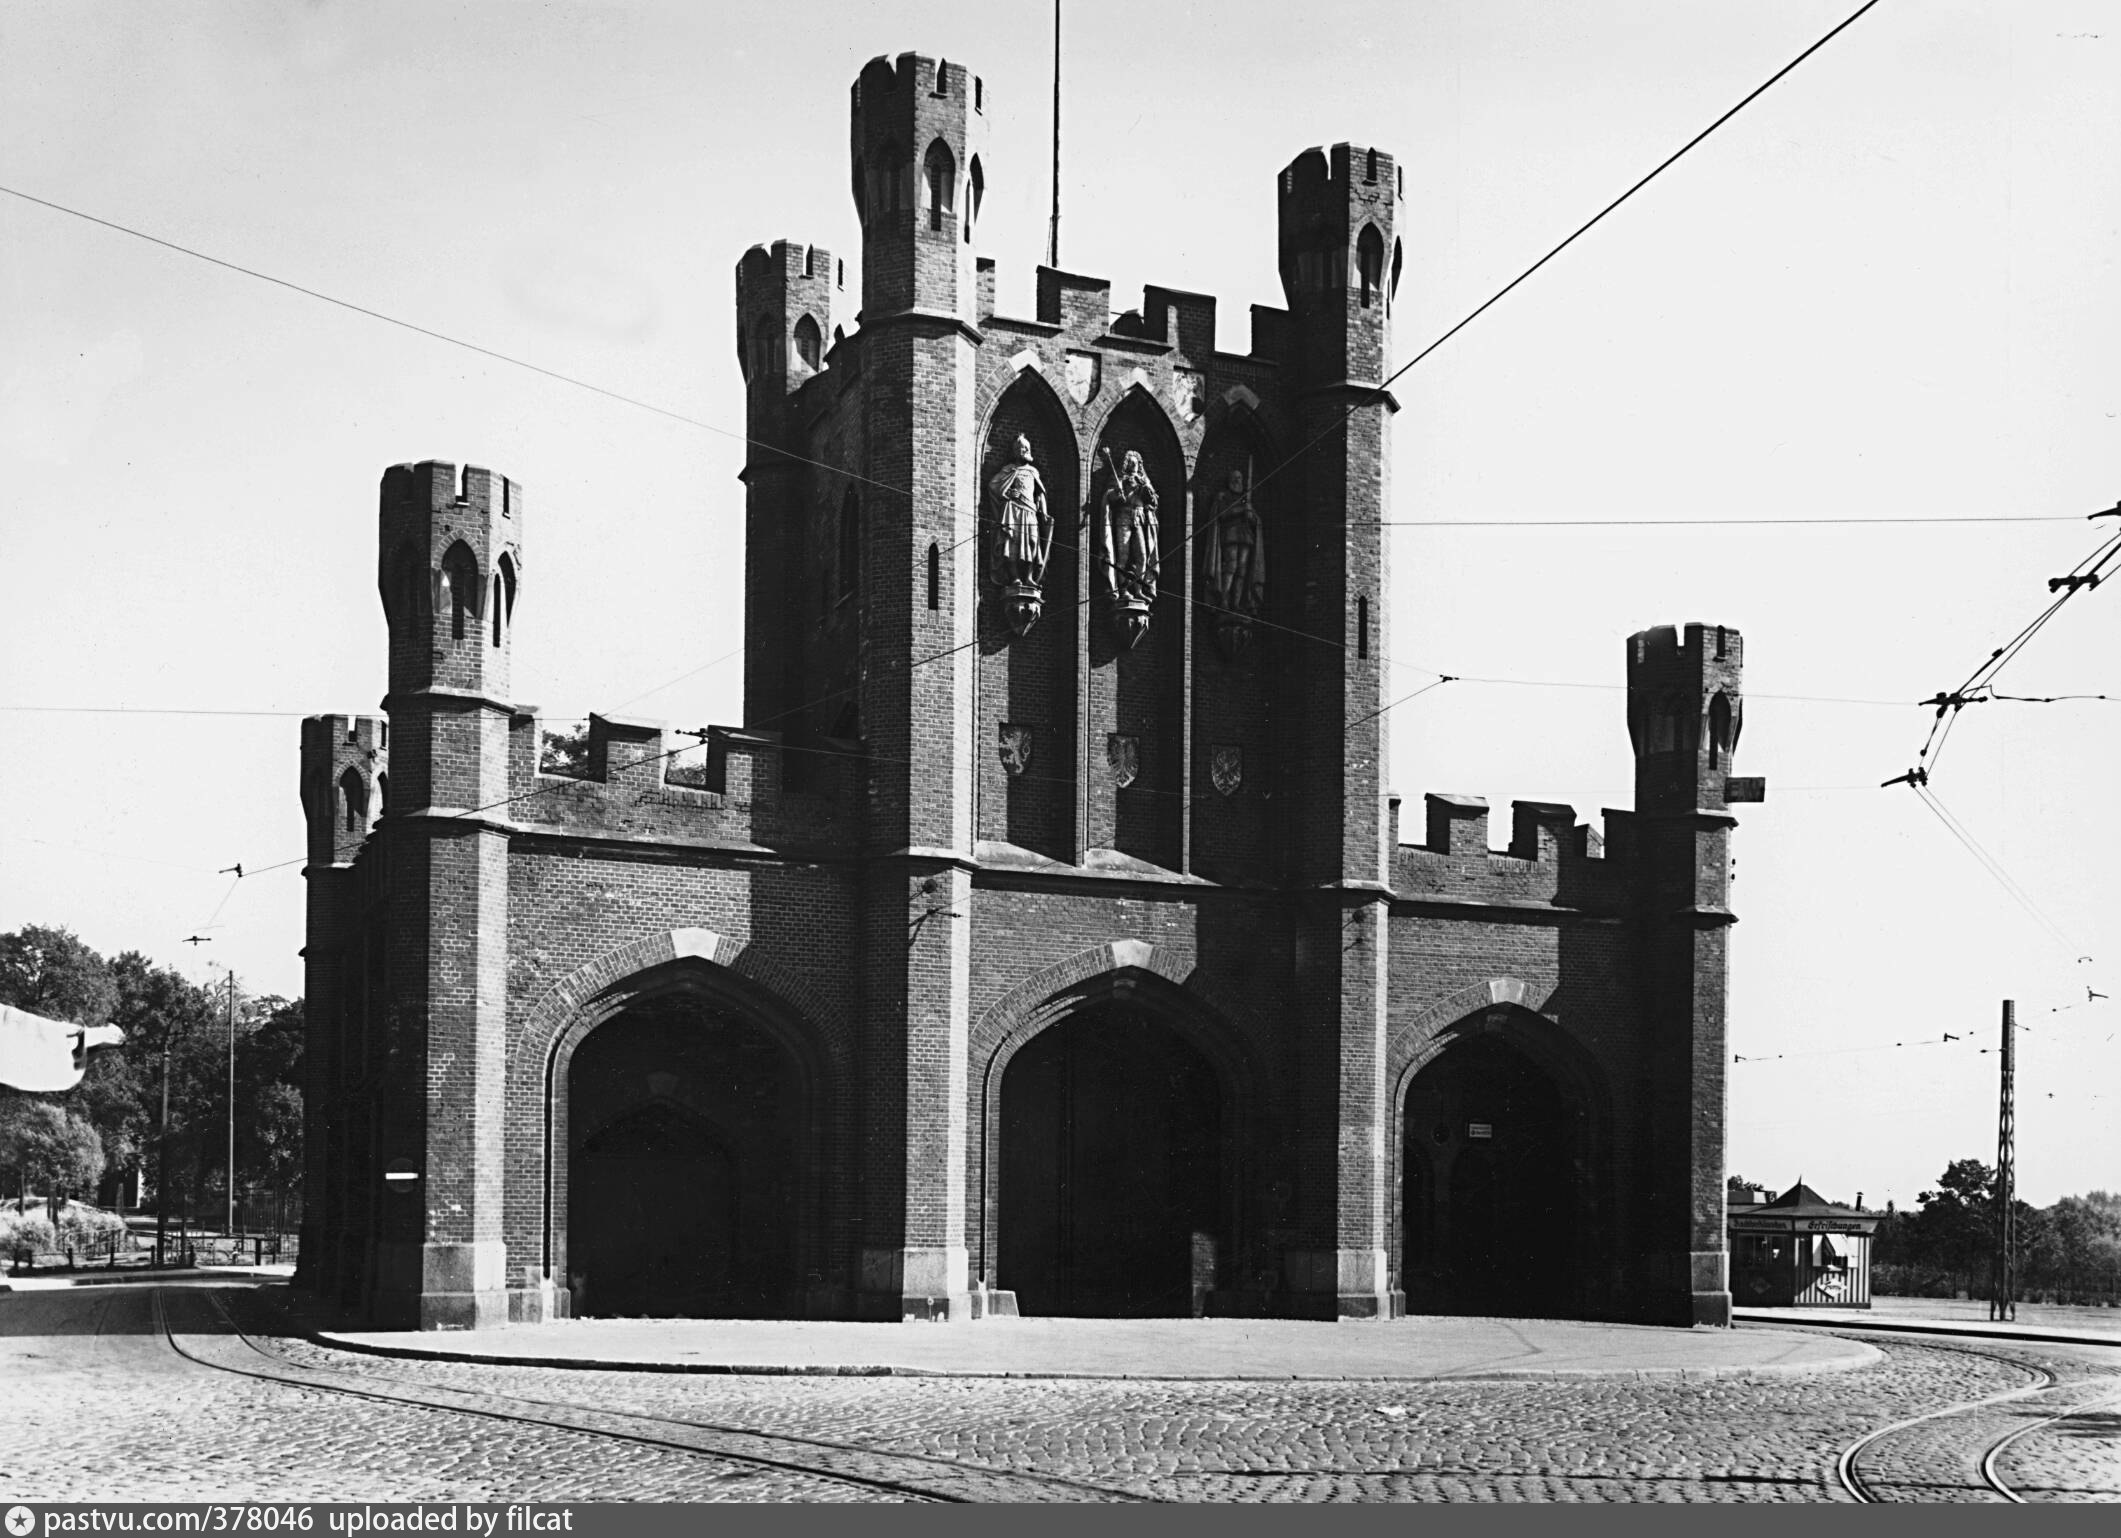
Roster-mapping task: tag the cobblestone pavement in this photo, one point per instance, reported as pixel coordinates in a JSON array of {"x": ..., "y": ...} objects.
[
  {"x": 2076, "y": 1459},
  {"x": 98, "y": 1407},
  {"x": 124, "y": 1417}
]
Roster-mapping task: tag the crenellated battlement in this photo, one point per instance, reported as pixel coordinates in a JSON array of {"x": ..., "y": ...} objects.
[
  {"x": 757, "y": 791},
  {"x": 1550, "y": 858},
  {"x": 1686, "y": 708},
  {"x": 787, "y": 295},
  {"x": 345, "y": 779}
]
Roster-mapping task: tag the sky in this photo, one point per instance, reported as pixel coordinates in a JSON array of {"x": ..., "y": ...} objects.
[{"x": 1887, "y": 289}]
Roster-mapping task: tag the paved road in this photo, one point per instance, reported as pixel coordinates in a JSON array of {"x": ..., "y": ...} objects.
[{"x": 99, "y": 1405}]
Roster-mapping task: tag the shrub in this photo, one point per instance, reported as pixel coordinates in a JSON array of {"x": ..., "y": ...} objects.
[
  {"x": 1894, "y": 1281},
  {"x": 24, "y": 1235},
  {"x": 85, "y": 1230}
]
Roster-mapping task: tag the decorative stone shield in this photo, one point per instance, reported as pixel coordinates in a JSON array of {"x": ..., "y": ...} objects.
[
  {"x": 1124, "y": 754},
  {"x": 1015, "y": 748},
  {"x": 1085, "y": 372},
  {"x": 1227, "y": 769},
  {"x": 1188, "y": 398}
]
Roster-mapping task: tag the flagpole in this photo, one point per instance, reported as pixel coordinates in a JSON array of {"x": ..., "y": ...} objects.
[{"x": 1053, "y": 229}]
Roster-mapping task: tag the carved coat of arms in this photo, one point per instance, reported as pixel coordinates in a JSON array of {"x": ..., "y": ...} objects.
[
  {"x": 1085, "y": 370},
  {"x": 1226, "y": 768},
  {"x": 1015, "y": 747},
  {"x": 1124, "y": 755}
]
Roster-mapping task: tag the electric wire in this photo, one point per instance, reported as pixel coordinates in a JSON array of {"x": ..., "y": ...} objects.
[
  {"x": 1695, "y": 523},
  {"x": 1989, "y": 863},
  {"x": 1979, "y": 686},
  {"x": 453, "y": 341},
  {"x": 1580, "y": 230}
]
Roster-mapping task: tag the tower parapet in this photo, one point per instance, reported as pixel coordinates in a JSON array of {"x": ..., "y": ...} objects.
[
  {"x": 1340, "y": 259},
  {"x": 1685, "y": 709},
  {"x": 785, "y": 295},
  {"x": 450, "y": 558},
  {"x": 919, "y": 128},
  {"x": 345, "y": 771}
]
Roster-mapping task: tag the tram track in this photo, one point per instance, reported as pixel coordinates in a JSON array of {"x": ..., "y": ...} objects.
[
  {"x": 1873, "y": 1489},
  {"x": 1848, "y": 1465},
  {"x": 912, "y": 1476}
]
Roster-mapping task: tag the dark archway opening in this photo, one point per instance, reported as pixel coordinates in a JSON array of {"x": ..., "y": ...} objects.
[
  {"x": 1111, "y": 1197},
  {"x": 1490, "y": 1185},
  {"x": 684, "y": 1161}
]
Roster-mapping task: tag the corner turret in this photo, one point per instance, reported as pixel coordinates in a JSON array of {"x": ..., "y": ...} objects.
[
  {"x": 1340, "y": 260},
  {"x": 919, "y": 130},
  {"x": 450, "y": 559},
  {"x": 784, "y": 318},
  {"x": 345, "y": 772},
  {"x": 1685, "y": 708}
]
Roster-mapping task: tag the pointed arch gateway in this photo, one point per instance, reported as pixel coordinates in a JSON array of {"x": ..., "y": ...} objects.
[
  {"x": 1504, "y": 1132},
  {"x": 688, "y": 1168},
  {"x": 1114, "y": 1116}
]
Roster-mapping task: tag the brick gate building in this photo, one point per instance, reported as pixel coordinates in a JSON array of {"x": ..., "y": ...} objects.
[{"x": 1048, "y": 939}]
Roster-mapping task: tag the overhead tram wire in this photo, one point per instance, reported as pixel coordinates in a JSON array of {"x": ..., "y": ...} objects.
[
  {"x": 1988, "y": 862},
  {"x": 1978, "y": 688},
  {"x": 1572, "y": 238},
  {"x": 1698, "y": 523}
]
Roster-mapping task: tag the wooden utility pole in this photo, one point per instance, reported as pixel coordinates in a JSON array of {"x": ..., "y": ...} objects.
[
  {"x": 2004, "y": 1303},
  {"x": 230, "y": 1230},
  {"x": 162, "y": 1161}
]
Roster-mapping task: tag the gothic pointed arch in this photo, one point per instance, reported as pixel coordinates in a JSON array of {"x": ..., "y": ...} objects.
[
  {"x": 1503, "y": 1033},
  {"x": 1139, "y": 978},
  {"x": 1370, "y": 265},
  {"x": 809, "y": 343},
  {"x": 1028, "y": 666},
  {"x": 939, "y": 185},
  {"x": 722, "y": 976},
  {"x": 459, "y": 594},
  {"x": 353, "y": 800}
]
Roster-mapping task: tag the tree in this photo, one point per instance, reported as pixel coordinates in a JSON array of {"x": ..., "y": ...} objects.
[
  {"x": 50, "y": 1148},
  {"x": 269, "y": 1094},
  {"x": 566, "y": 753},
  {"x": 1956, "y": 1227},
  {"x": 51, "y": 972},
  {"x": 158, "y": 1008}
]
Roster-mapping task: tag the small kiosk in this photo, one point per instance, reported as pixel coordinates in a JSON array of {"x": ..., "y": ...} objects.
[{"x": 1801, "y": 1251}]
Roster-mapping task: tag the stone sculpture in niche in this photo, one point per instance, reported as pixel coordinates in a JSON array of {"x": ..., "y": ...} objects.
[
  {"x": 1023, "y": 537},
  {"x": 1234, "y": 565},
  {"x": 1127, "y": 529}
]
